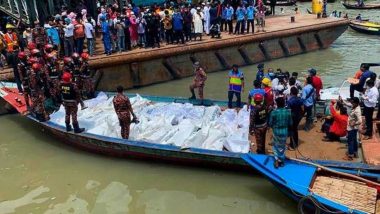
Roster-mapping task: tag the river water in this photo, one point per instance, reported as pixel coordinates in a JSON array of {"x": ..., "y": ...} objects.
[{"x": 38, "y": 174}]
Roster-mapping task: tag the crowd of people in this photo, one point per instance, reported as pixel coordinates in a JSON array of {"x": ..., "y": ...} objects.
[
  {"x": 46, "y": 84},
  {"x": 279, "y": 101}
]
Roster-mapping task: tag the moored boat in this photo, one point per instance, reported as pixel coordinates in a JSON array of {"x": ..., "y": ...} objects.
[
  {"x": 363, "y": 7},
  {"x": 154, "y": 151},
  {"x": 367, "y": 27},
  {"x": 318, "y": 189}
]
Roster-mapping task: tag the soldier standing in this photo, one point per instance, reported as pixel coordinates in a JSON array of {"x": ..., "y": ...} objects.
[
  {"x": 88, "y": 85},
  {"x": 123, "y": 109},
  {"x": 70, "y": 97},
  {"x": 24, "y": 72},
  {"x": 37, "y": 93},
  {"x": 53, "y": 74},
  {"x": 39, "y": 35},
  {"x": 200, "y": 78}
]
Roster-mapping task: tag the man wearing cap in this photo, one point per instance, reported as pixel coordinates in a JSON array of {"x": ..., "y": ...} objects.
[
  {"x": 200, "y": 78},
  {"x": 258, "y": 123},
  {"x": 37, "y": 92},
  {"x": 256, "y": 90},
  {"x": 70, "y": 97},
  {"x": 236, "y": 85},
  {"x": 12, "y": 46},
  {"x": 207, "y": 18},
  {"x": 269, "y": 96},
  {"x": 260, "y": 72}
]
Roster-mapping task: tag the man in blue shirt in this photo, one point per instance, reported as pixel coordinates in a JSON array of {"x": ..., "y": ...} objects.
[
  {"x": 360, "y": 85},
  {"x": 178, "y": 27},
  {"x": 106, "y": 34},
  {"x": 251, "y": 10},
  {"x": 257, "y": 90},
  {"x": 240, "y": 16},
  {"x": 308, "y": 94},
  {"x": 260, "y": 72},
  {"x": 235, "y": 85},
  {"x": 295, "y": 104},
  {"x": 229, "y": 16}
]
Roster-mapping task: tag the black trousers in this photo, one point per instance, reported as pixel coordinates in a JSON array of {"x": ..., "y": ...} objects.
[
  {"x": 178, "y": 34},
  {"x": 296, "y": 118},
  {"x": 354, "y": 88},
  {"x": 272, "y": 8},
  {"x": 368, "y": 114},
  {"x": 252, "y": 23},
  {"x": 230, "y": 27},
  {"x": 231, "y": 96},
  {"x": 169, "y": 36},
  {"x": 127, "y": 40},
  {"x": 239, "y": 28}
]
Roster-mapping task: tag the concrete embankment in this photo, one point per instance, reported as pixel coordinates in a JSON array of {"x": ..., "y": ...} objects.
[{"x": 282, "y": 38}]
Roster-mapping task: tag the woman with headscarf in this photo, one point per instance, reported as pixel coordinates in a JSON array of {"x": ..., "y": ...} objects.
[{"x": 133, "y": 30}]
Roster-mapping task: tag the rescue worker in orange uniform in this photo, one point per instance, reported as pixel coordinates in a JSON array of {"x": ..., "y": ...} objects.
[
  {"x": 88, "y": 85},
  {"x": 269, "y": 96},
  {"x": 70, "y": 98},
  {"x": 235, "y": 85},
  {"x": 200, "y": 78},
  {"x": 24, "y": 73},
  {"x": 12, "y": 45},
  {"x": 123, "y": 109},
  {"x": 37, "y": 93}
]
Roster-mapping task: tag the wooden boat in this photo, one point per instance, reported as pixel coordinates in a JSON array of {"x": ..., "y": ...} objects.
[
  {"x": 283, "y": 3},
  {"x": 318, "y": 189},
  {"x": 371, "y": 28},
  {"x": 143, "y": 150},
  {"x": 364, "y": 7}
]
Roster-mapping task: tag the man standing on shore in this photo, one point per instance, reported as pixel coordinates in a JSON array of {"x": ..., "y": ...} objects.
[
  {"x": 200, "y": 78},
  {"x": 235, "y": 85},
  {"x": 370, "y": 98},
  {"x": 123, "y": 109}
]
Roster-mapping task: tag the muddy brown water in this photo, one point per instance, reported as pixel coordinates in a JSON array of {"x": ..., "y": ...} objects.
[{"x": 39, "y": 174}]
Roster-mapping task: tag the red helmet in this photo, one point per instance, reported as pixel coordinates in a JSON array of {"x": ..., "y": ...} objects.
[
  {"x": 36, "y": 66},
  {"x": 67, "y": 60},
  {"x": 31, "y": 45},
  {"x": 75, "y": 56},
  {"x": 66, "y": 77},
  {"x": 258, "y": 98},
  {"x": 85, "y": 56},
  {"x": 48, "y": 48},
  {"x": 35, "y": 52},
  {"x": 33, "y": 60},
  {"x": 22, "y": 55}
]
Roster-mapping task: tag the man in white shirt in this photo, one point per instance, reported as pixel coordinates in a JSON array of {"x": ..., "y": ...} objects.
[
  {"x": 90, "y": 36},
  {"x": 370, "y": 99},
  {"x": 68, "y": 28}
]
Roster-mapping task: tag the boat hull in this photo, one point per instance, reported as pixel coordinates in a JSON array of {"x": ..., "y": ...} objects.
[{"x": 366, "y": 30}]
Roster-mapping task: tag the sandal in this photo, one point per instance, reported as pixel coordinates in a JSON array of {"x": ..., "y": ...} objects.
[{"x": 276, "y": 164}]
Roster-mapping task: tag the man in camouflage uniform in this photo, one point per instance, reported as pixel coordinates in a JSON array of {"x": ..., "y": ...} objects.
[
  {"x": 24, "y": 72},
  {"x": 123, "y": 109},
  {"x": 70, "y": 97},
  {"x": 53, "y": 75},
  {"x": 37, "y": 93},
  {"x": 200, "y": 78},
  {"x": 88, "y": 85},
  {"x": 39, "y": 36},
  {"x": 258, "y": 122}
]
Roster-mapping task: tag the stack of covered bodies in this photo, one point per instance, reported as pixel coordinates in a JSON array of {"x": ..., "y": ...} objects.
[{"x": 183, "y": 125}]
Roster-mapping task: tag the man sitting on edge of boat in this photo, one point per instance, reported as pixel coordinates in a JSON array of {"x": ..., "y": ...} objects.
[
  {"x": 279, "y": 120},
  {"x": 359, "y": 86}
]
